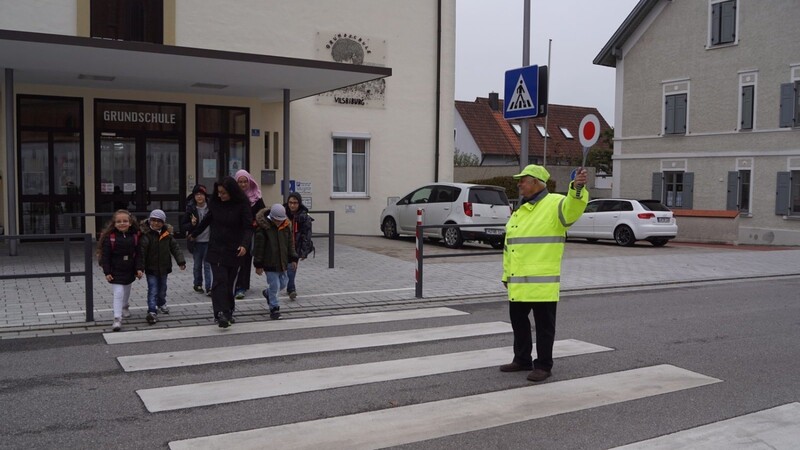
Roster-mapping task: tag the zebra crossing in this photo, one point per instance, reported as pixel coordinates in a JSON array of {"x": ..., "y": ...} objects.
[{"x": 417, "y": 422}]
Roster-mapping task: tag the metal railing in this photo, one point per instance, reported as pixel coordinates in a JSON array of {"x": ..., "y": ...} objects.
[
  {"x": 67, "y": 273},
  {"x": 329, "y": 235},
  {"x": 421, "y": 249}
]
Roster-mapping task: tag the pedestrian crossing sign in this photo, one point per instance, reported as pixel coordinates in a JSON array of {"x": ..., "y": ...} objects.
[{"x": 521, "y": 93}]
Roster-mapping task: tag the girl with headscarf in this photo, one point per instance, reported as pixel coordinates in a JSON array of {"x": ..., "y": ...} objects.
[{"x": 252, "y": 191}]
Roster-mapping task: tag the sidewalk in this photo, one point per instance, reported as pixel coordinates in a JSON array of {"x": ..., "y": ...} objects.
[{"x": 369, "y": 272}]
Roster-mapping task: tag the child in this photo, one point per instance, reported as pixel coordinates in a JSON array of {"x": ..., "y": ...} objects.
[
  {"x": 301, "y": 229},
  {"x": 121, "y": 259},
  {"x": 274, "y": 253},
  {"x": 157, "y": 245},
  {"x": 196, "y": 209}
]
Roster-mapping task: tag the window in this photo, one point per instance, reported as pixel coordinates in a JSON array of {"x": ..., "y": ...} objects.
[
  {"x": 790, "y": 104},
  {"x": 787, "y": 198},
  {"x": 723, "y": 22},
  {"x": 673, "y": 188},
  {"x": 350, "y": 164},
  {"x": 222, "y": 142},
  {"x": 128, "y": 20},
  {"x": 748, "y": 97},
  {"x": 566, "y": 132},
  {"x": 739, "y": 190},
  {"x": 542, "y": 131},
  {"x": 517, "y": 128},
  {"x": 675, "y": 107}
]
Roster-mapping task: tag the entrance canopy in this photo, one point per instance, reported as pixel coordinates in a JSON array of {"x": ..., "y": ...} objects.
[{"x": 39, "y": 58}]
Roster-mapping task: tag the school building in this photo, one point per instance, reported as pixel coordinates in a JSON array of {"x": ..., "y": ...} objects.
[{"x": 129, "y": 103}]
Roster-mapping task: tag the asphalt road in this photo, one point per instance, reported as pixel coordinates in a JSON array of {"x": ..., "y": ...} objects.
[{"x": 71, "y": 392}]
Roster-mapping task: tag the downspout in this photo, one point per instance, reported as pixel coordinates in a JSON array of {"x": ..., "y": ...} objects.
[
  {"x": 286, "y": 131},
  {"x": 438, "y": 88},
  {"x": 11, "y": 181}
]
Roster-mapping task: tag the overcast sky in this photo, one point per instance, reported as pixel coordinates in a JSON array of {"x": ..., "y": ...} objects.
[{"x": 489, "y": 42}]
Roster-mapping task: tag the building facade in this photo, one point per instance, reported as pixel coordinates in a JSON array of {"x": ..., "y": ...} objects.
[
  {"x": 707, "y": 114},
  {"x": 128, "y": 104}
]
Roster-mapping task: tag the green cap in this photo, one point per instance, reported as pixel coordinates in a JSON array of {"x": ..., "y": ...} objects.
[{"x": 532, "y": 170}]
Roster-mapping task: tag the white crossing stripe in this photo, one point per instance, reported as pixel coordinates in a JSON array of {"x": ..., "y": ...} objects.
[
  {"x": 227, "y": 391},
  {"x": 293, "y": 324},
  {"x": 267, "y": 350},
  {"x": 775, "y": 428},
  {"x": 403, "y": 425}
]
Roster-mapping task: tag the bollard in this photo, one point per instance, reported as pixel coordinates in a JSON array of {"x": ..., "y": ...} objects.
[{"x": 418, "y": 284}]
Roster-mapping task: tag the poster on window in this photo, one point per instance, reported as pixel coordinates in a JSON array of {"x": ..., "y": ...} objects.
[
  {"x": 209, "y": 168},
  {"x": 352, "y": 48}
]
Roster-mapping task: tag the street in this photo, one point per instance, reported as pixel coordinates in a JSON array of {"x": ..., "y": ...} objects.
[{"x": 736, "y": 342}]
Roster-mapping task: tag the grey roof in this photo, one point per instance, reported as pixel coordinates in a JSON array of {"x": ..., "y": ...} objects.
[{"x": 612, "y": 50}]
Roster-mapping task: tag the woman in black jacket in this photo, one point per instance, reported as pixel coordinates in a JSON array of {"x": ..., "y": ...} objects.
[{"x": 231, "y": 232}]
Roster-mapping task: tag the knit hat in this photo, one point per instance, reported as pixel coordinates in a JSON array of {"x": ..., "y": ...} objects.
[
  {"x": 199, "y": 189},
  {"x": 532, "y": 170},
  {"x": 158, "y": 214},
  {"x": 277, "y": 212}
]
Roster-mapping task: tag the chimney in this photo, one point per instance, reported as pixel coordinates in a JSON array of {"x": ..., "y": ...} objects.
[{"x": 494, "y": 101}]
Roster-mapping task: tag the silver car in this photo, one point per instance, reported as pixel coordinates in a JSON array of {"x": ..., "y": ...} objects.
[{"x": 451, "y": 203}]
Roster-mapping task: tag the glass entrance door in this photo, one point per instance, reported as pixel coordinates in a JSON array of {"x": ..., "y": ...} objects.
[
  {"x": 51, "y": 183},
  {"x": 139, "y": 173}
]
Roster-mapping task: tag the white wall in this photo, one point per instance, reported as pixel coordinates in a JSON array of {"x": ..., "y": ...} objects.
[
  {"x": 40, "y": 16},
  {"x": 465, "y": 143},
  {"x": 403, "y": 132}
]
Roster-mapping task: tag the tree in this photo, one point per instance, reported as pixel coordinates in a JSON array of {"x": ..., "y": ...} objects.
[
  {"x": 465, "y": 159},
  {"x": 600, "y": 157}
]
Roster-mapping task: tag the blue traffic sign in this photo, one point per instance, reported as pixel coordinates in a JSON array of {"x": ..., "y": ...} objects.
[{"x": 521, "y": 93}]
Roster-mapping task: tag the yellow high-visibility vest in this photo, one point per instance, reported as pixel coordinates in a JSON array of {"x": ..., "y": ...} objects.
[{"x": 534, "y": 245}]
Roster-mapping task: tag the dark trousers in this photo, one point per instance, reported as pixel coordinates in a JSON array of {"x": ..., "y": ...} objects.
[
  {"x": 245, "y": 267},
  {"x": 223, "y": 283},
  {"x": 544, "y": 318}
]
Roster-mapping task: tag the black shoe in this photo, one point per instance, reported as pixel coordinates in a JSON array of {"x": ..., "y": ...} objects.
[
  {"x": 222, "y": 320},
  {"x": 274, "y": 313},
  {"x": 538, "y": 375},
  {"x": 514, "y": 367}
]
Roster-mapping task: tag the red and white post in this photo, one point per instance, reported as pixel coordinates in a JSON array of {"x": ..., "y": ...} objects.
[{"x": 418, "y": 274}]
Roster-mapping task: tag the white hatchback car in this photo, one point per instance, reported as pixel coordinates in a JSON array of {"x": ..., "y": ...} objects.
[
  {"x": 625, "y": 221},
  {"x": 451, "y": 203}
]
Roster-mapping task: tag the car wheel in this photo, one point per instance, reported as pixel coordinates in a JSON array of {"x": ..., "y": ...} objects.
[
  {"x": 452, "y": 237},
  {"x": 659, "y": 242},
  {"x": 389, "y": 228},
  {"x": 624, "y": 236},
  {"x": 497, "y": 245}
]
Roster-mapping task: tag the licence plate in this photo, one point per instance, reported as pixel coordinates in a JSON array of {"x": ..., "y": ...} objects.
[
  {"x": 495, "y": 231},
  {"x": 663, "y": 220}
]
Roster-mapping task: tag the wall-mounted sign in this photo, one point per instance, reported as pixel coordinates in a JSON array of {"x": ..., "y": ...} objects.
[
  {"x": 138, "y": 116},
  {"x": 353, "y": 49}
]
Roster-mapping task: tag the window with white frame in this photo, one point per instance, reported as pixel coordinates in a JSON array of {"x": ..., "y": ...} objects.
[
  {"x": 790, "y": 104},
  {"x": 350, "y": 165},
  {"x": 739, "y": 190},
  {"x": 675, "y": 107},
  {"x": 747, "y": 104},
  {"x": 674, "y": 188},
  {"x": 566, "y": 132},
  {"x": 723, "y": 21},
  {"x": 787, "y": 196}
]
